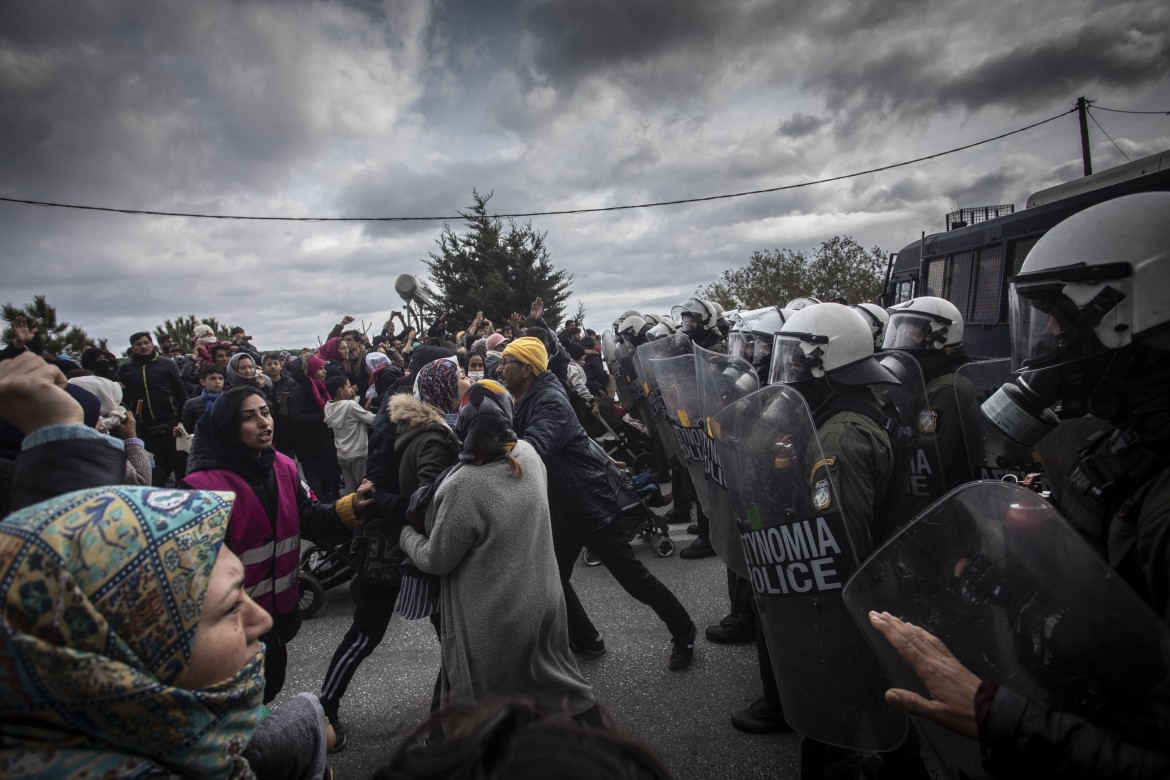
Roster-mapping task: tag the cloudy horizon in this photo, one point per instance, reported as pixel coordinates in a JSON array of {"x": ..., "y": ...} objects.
[{"x": 393, "y": 109}]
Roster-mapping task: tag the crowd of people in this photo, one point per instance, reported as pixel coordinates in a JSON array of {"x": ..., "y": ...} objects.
[{"x": 155, "y": 505}]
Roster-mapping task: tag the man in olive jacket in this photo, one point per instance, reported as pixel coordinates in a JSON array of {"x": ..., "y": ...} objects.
[{"x": 584, "y": 510}]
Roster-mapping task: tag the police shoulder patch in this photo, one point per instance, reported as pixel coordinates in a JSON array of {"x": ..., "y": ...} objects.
[
  {"x": 927, "y": 421},
  {"x": 822, "y": 495}
]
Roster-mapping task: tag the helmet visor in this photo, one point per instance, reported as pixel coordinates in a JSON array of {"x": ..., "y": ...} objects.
[
  {"x": 796, "y": 357},
  {"x": 909, "y": 330},
  {"x": 741, "y": 344},
  {"x": 1048, "y": 329}
]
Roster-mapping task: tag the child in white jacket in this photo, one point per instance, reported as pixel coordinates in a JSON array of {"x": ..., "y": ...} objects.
[{"x": 350, "y": 424}]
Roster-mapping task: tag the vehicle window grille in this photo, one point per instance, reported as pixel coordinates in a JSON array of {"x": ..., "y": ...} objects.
[
  {"x": 935, "y": 273},
  {"x": 958, "y": 290},
  {"x": 988, "y": 283}
]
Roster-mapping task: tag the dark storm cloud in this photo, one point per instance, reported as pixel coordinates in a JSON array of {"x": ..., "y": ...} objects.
[
  {"x": 920, "y": 73},
  {"x": 573, "y": 39},
  {"x": 799, "y": 125}
]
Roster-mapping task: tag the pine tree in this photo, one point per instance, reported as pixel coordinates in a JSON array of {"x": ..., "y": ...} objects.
[
  {"x": 182, "y": 330},
  {"x": 55, "y": 337},
  {"x": 496, "y": 267}
]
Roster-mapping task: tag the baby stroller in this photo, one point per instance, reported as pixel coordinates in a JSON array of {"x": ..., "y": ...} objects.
[
  {"x": 625, "y": 439},
  {"x": 637, "y": 518},
  {"x": 324, "y": 566}
]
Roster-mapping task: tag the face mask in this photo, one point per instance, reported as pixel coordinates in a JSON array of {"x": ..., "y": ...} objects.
[{"x": 475, "y": 376}]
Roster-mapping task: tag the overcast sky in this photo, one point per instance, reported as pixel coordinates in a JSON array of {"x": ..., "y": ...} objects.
[{"x": 401, "y": 108}]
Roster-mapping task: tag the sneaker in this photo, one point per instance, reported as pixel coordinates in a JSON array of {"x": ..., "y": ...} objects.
[
  {"x": 339, "y": 738},
  {"x": 761, "y": 717},
  {"x": 733, "y": 630},
  {"x": 700, "y": 548},
  {"x": 595, "y": 646},
  {"x": 682, "y": 651}
]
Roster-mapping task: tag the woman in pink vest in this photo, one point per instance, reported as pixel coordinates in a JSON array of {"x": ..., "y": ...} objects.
[{"x": 233, "y": 451}]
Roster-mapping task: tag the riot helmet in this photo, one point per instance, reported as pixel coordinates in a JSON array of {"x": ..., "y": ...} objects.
[
  {"x": 663, "y": 329},
  {"x": 696, "y": 316},
  {"x": 763, "y": 332},
  {"x": 926, "y": 323},
  {"x": 877, "y": 317},
  {"x": 633, "y": 329},
  {"x": 627, "y": 313},
  {"x": 826, "y": 341},
  {"x": 1088, "y": 298},
  {"x": 740, "y": 341},
  {"x": 796, "y": 304}
]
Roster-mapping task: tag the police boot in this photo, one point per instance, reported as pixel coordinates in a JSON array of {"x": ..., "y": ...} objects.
[{"x": 734, "y": 629}]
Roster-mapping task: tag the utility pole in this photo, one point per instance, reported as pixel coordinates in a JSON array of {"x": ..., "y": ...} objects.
[{"x": 1082, "y": 108}]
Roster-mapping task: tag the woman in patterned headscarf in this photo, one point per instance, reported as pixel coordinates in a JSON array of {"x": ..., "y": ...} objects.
[
  {"x": 489, "y": 536},
  {"x": 128, "y": 646}
]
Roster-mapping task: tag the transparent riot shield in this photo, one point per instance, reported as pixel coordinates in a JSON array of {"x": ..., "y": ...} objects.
[
  {"x": 722, "y": 380},
  {"x": 618, "y": 359},
  {"x": 916, "y": 443},
  {"x": 680, "y": 395},
  {"x": 657, "y": 415},
  {"x": 998, "y": 575},
  {"x": 799, "y": 554},
  {"x": 991, "y": 454}
]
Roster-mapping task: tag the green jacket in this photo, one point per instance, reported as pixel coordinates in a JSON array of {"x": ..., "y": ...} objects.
[
  {"x": 953, "y": 399},
  {"x": 858, "y": 463}
]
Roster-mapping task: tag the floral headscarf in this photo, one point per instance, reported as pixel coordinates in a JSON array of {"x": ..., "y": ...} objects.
[
  {"x": 102, "y": 591},
  {"x": 437, "y": 384}
]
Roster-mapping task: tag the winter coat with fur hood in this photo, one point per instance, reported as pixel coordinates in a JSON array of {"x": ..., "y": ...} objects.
[{"x": 423, "y": 442}]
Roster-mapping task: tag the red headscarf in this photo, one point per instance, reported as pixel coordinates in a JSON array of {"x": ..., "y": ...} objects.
[{"x": 320, "y": 392}]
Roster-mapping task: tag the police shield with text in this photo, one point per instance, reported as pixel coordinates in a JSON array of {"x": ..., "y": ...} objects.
[
  {"x": 915, "y": 443},
  {"x": 804, "y": 495},
  {"x": 722, "y": 380}
]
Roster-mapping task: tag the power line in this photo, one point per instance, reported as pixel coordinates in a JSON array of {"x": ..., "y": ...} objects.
[
  {"x": 1123, "y": 111},
  {"x": 681, "y": 201},
  {"x": 1102, "y": 129}
]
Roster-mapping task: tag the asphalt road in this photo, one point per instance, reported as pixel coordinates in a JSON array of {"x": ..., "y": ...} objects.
[{"x": 683, "y": 715}]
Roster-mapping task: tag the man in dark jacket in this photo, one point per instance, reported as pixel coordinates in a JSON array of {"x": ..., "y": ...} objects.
[
  {"x": 584, "y": 510},
  {"x": 156, "y": 394},
  {"x": 596, "y": 378}
]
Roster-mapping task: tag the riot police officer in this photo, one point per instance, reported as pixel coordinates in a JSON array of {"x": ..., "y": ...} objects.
[
  {"x": 825, "y": 352},
  {"x": 1091, "y": 332},
  {"x": 700, "y": 321},
  {"x": 931, "y": 329}
]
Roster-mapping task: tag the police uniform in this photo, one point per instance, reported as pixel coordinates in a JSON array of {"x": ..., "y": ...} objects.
[
  {"x": 858, "y": 460},
  {"x": 951, "y": 398},
  {"x": 1118, "y": 497},
  {"x": 853, "y": 477}
]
